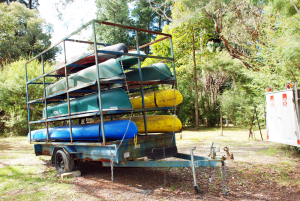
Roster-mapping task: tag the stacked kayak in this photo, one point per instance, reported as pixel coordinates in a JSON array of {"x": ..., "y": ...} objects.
[
  {"x": 108, "y": 69},
  {"x": 112, "y": 99},
  {"x": 158, "y": 71},
  {"x": 159, "y": 98},
  {"x": 128, "y": 61},
  {"x": 111, "y": 69},
  {"x": 157, "y": 123},
  {"x": 88, "y": 59},
  {"x": 114, "y": 130}
]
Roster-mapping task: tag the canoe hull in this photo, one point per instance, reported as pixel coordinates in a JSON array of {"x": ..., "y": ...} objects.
[
  {"x": 108, "y": 69},
  {"x": 157, "y": 123},
  {"x": 114, "y": 130},
  {"x": 90, "y": 60},
  {"x": 158, "y": 71},
  {"x": 159, "y": 98},
  {"x": 112, "y": 99},
  {"x": 128, "y": 61}
]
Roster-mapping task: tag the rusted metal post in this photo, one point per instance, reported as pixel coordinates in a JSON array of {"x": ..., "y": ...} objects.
[
  {"x": 68, "y": 94},
  {"x": 45, "y": 96},
  {"x": 196, "y": 187},
  {"x": 141, "y": 81},
  {"x": 173, "y": 61},
  {"x": 98, "y": 85}
]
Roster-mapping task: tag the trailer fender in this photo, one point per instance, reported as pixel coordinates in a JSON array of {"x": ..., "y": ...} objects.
[{"x": 66, "y": 149}]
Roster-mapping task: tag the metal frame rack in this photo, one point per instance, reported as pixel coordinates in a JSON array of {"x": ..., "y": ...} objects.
[
  {"x": 121, "y": 153},
  {"x": 82, "y": 89}
]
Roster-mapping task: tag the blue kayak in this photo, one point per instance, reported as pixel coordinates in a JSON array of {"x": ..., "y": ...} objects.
[{"x": 114, "y": 130}]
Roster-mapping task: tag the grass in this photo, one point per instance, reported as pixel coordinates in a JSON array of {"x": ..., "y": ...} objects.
[
  {"x": 252, "y": 155},
  {"x": 31, "y": 182},
  {"x": 28, "y": 183},
  {"x": 20, "y": 179}
]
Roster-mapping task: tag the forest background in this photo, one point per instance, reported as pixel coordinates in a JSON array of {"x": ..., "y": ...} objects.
[{"x": 226, "y": 53}]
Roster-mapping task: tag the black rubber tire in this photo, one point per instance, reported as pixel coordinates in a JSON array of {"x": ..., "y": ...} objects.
[
  {"x": 161, "y": 152},
  {"x": 63, "y": 162}
]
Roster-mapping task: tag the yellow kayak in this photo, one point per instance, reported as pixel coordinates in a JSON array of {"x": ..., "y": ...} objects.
[
  {"x": 157, "y": 123},
  {"x": 159, "y": 98}
]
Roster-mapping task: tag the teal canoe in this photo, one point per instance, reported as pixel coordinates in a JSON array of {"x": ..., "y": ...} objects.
[
  {"x": 113, "y": 99},
  {"x": 158, "y": 71},
  {"x": 108, "y": 69},
  {"x": 111, "y": 69},
  {"x": 127, "y": 61}
]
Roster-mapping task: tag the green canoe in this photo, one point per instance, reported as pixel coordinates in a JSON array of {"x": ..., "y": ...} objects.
[
  {"x": 108, "y": 69},
  {"x": 112, "y": 99},
  {"x": 158, "y": 71},
  {"x": 129, "y": 61}
]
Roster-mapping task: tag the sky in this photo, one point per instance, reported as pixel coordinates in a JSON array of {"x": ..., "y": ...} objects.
[{"x": 74, "y": 15}]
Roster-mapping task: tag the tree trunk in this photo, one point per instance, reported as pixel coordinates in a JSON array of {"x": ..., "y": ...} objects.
[
  {"x": 221, "y": 121},
  {"x": 195, "y": 80},
  {"x": 227, "y": 120}
]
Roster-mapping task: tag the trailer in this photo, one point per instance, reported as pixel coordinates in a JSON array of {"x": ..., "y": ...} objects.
[
  {"x": 118, "y": 153},
  {"x": 282, "y": 115}
]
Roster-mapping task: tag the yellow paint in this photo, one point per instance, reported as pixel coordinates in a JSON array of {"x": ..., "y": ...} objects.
[
  {"x": 157, "y": 123},
  {"x": 163, "y": 98}
]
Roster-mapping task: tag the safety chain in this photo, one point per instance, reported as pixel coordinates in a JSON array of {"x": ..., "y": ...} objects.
[
  {"x": 111, "y": 154},
  {"x": 173, "y": 136},
  {"x": 165, "y": 179},
  {"x": 110, "y": 195},
  {"x": 224, "y": 177}
]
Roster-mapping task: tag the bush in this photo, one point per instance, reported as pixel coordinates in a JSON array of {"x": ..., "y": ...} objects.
[{"x": 13, "y": 103}]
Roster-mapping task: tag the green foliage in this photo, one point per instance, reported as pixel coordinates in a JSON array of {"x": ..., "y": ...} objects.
[
  {"x": 145, "y": 17},
  {"x": 282, "y": 6},
  {"x": 23, "y": 33},
  {"x": 115, "y": 11},
  {"x": 31, "y": 4},
  {"x": 13, "y": 104},
  {"x": 139, "y": 15}
]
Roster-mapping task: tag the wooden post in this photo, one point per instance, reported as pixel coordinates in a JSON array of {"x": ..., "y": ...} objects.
[
  {"x": 258, "y": 124},
  {"x": 221, "y": 122},
  {"x": 195, "y": 80}
]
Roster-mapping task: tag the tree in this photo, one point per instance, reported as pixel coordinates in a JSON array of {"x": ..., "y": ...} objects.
[
  {"x": 31, "y": 4},
  {"x": 115, "y": 11},
  {"x": 146, "y": 18},
  {"x": 13, "y": 104},
  {"x": 23, "y": 33}
]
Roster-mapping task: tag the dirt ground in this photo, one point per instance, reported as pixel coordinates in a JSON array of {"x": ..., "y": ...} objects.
[{"x": 260, "y": 170}]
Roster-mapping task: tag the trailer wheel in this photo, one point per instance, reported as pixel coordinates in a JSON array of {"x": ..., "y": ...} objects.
[{"x": 63, "y": 162}]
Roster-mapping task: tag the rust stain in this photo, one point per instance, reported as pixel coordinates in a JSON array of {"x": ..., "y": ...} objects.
[
  {"x": 99, "y": 160},
  {"x": 89, "y": 159},
  {"x": 105, "y": 160},
  {"x": 46, "y": 152}
]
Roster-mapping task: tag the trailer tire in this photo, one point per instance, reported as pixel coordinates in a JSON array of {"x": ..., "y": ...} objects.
[{"x": 63, "y": 162}]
